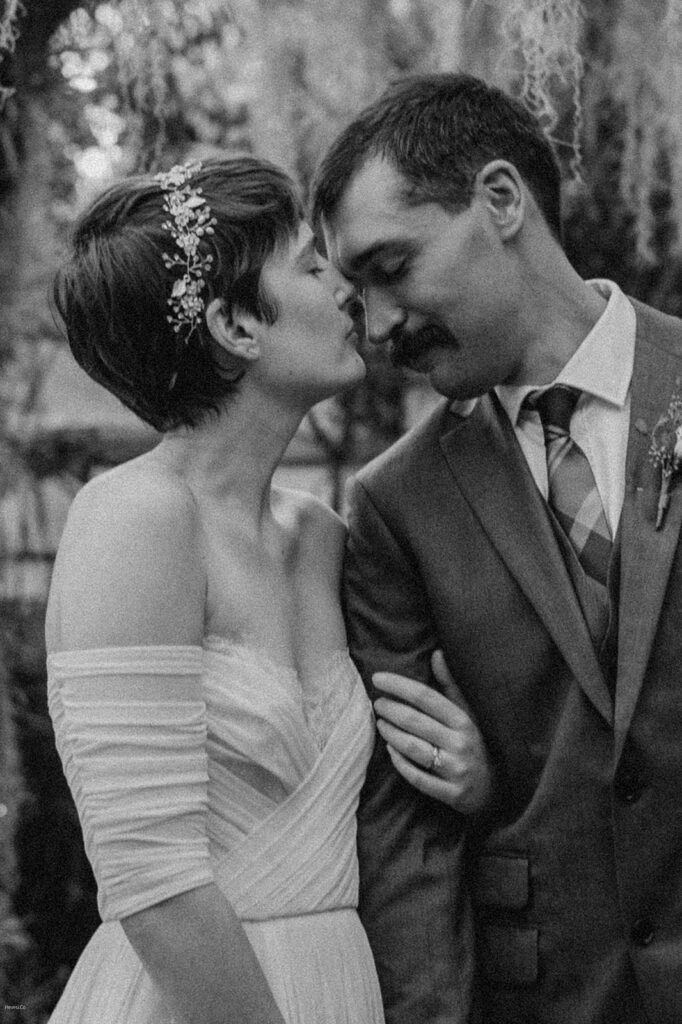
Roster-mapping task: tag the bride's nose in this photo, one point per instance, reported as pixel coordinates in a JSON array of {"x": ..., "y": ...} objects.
[{"x": 343, "y": 290}]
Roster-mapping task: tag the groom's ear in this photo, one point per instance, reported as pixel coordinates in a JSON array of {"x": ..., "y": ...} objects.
[
  {"x": 234, "y": 330},
  {"x": 501, "y": 188}
]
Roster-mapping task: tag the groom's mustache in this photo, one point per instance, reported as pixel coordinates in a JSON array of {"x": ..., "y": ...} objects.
[{"x": 406, "y": 347}]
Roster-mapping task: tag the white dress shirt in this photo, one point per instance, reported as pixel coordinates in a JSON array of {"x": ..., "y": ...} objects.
[{"x": 602, "y": 370}]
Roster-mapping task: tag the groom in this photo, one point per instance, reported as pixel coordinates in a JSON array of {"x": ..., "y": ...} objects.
[{"x": 517, "y": 529}]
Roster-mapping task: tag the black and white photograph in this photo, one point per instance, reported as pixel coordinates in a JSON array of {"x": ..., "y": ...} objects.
[{"x": 340, "y": 511}]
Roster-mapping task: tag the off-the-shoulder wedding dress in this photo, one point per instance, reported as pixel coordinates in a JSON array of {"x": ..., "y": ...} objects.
[{"x": 227, "y": 768}]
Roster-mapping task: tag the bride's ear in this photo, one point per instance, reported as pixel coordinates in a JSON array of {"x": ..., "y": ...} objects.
[{"x": 235, "y": 331}]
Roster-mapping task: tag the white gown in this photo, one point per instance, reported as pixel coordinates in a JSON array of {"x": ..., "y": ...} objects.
[{"x": 235, "y": 775}]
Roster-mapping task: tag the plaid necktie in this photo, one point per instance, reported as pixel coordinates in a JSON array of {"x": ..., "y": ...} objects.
[{"x": 573, "y": 494}]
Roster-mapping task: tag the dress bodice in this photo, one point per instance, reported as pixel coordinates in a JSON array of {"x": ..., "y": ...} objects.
[
  {"x": 266, "y": 729},
  {"x": 213, "y": 763}
]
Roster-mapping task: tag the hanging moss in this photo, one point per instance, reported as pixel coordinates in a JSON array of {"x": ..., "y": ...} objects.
[
  {"x": 645, "y": 78},
  {"x": 143, "y": 61},
  {"x": 541, "y": 56},
  {"x": 9, "y": 34}
]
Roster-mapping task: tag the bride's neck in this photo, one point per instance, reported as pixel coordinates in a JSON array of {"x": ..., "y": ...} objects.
[{"x": 232, "y": 457}]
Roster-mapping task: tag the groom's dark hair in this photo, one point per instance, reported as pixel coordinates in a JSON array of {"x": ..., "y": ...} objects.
[{"x": 438, "y": 131}]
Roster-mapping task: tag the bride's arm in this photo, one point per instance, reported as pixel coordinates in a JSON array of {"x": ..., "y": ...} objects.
[
  {"x": 129, "y": 575},
  {"x": 195, "y": 949}
]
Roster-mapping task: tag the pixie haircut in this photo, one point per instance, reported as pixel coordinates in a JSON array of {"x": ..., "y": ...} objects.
[
  {"x": 438, "y": 131},
  {"x": 113, "y": 291}
]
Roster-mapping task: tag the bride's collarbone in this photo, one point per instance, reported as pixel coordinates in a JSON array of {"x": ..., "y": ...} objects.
[
  {"x": 274, "y": 605},
  {"x": 294, "y": 617},
  {"x": 278, "y": 589},
  {"x": 298, "y": 534},
  {"x": 253, "y": 576},
  {"x": 280, "y": 566}
]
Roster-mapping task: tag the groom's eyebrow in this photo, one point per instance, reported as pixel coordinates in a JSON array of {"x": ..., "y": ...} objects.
[{"x": 384, "y": 247}]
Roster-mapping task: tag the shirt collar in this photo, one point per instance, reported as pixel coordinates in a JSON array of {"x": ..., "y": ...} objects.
[{"x": 602, "y": 364}]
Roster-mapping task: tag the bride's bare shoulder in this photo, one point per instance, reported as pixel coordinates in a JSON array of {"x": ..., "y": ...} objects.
[
  {"x": 137, "y": 496},
  {"x": 129, "y": 566}
]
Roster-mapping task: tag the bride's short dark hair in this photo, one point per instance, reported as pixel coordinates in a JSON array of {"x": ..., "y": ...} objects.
[{"x": 112, "y": 293}]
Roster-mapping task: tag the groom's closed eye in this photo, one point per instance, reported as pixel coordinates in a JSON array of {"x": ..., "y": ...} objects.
[
  {"x": 387, "y": 273},
  {"x": 388, "y": 265}
]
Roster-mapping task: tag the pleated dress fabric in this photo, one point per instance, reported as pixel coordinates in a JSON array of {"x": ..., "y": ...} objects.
[{"x": 193, "y": 765}]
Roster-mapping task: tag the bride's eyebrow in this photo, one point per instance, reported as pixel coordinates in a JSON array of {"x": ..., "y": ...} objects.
[{"x": 305, "y": 253}]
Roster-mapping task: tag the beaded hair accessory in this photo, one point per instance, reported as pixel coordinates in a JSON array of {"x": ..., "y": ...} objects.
[{"x": 190, "y": 220}]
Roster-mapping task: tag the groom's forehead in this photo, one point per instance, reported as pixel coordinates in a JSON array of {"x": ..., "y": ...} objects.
[
  {"x": 375, "y": 186},
  {"x": 371, "y": 213}
]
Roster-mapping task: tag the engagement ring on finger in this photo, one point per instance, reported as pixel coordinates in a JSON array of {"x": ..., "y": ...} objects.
[{"x": 436, "y": 759}]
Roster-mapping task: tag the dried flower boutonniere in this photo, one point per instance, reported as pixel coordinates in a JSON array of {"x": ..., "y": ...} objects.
[{"x": 666, "y": 449}]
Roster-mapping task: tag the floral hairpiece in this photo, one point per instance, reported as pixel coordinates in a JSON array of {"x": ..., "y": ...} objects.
[{"x": 191, "y": 220}]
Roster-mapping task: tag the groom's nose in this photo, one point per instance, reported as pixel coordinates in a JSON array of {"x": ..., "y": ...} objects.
[
  {"x": 356, "y": 310},
  {"x": 382, "y": 314}
]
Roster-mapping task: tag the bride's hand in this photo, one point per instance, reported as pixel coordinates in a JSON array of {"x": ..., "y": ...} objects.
[{"x": 432, "y": 740}]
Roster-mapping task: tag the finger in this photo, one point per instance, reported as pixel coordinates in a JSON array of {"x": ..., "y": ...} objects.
[
  {"x": 452, "y": 767},
  {"x": 421, "y": 726},
  {"x": 450, "y": 689},
  {"x": 424, "y": 781},
  {"x": 461, "y": 795},
  {"x": 417, "y": 750},
  {"x": 420, "y": 696}
]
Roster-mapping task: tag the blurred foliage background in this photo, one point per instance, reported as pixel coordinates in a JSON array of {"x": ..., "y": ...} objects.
[{"x": 91, "y": 91}]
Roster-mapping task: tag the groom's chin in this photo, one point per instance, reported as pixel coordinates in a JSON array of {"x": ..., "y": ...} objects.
[{"x": 446, "y": 383}]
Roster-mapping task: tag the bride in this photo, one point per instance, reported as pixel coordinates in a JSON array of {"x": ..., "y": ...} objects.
[{"x": 211, "y": 725}]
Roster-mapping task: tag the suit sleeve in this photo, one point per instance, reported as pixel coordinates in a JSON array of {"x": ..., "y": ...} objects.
[{"x": 413, "y": 902}]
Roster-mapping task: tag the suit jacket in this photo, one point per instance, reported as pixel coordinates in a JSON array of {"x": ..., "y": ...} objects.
[{"x": 564, "y": 904}]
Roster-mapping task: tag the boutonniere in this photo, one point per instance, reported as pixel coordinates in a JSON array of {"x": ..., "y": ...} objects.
[{"x": 666, "y": 449}]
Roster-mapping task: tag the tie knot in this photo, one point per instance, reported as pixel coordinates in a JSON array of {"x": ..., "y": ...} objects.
[{"x": 556, "y": 406}]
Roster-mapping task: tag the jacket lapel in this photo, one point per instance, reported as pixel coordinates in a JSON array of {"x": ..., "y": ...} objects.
[
  {"x": 491, "y": 472},
  {"x": 646, "y": 553}
]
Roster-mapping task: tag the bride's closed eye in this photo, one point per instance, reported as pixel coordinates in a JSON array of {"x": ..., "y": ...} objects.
[{"x": 317, "y": 265}]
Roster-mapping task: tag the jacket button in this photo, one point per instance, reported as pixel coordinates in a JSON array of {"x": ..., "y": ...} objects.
[
  {"x": 642, "y": 932},
  {"x": 628, "y": 785}
]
